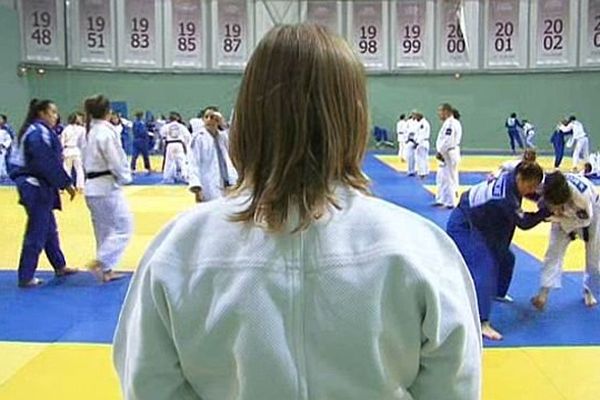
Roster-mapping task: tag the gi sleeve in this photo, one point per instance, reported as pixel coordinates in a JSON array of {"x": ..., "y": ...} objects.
[
  {"x": 450, "y": 350},
  {"x": 115, "y": 158},
  {"x": 193, "y": 156},
  {"x": 144, "y": 353},
  {"x": 44, "y": 162}
]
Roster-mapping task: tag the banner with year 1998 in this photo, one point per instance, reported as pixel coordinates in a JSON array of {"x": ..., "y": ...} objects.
[{"x": 368, "y": 32}]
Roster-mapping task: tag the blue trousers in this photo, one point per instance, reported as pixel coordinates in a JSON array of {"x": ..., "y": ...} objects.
[
  {"x": 140, "y": 149},
  {"x": 41, "y": 232},
  {"x": 479, "y": 258},
  {"x": 559, "y": 152},
  {"x": 514, "y": 136},
  {"x": 506, "y": 266}
]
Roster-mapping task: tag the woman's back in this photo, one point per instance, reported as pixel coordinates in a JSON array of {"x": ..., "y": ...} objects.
[{"x": 350, "y": 308}]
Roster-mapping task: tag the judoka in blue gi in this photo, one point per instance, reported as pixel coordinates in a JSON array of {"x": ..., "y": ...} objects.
[
  {"x": 141, "y": 142},
  {"x": 558, "y": 141},
  {"x": 513, "y": 125},
  {"x": 37, "y": 169},
  {"x": 483, "y": 225}
]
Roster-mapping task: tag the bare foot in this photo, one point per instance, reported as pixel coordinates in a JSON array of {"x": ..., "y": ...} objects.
[
  {"x": 490, "y": 333},
  {"x": 539, "y": 302},
  {"x": 66, "y": 271},
  {"x": 111, "y": 276},
  {"x": 34, "y": 282},
  {"x": 589, "y": 299},
  {"x": 95, "y": 267}
]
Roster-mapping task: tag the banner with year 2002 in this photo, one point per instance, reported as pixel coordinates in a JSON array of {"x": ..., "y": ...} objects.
[
  {"x": 553, "y": 33},
  {"x": 42, "y": 31}
]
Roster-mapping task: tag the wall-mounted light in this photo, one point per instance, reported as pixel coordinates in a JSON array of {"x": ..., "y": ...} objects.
[
  {"x": 21, "y": 71},
  {"x": 40, "y": 71},
  {"x": 457, "y": 75}
]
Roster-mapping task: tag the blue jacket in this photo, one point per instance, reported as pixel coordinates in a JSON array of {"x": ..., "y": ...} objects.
[
  {"x": 494, "y": 209},
  {"x": 513, "y": 125},
  {"x": 39, "y": 155},
  {"x": 140, "y": 132}
]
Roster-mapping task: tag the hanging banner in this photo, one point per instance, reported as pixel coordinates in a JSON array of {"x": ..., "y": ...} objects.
[
  {"x": 140, "y": 33},
  {"x": 590, "y": 33},
  {"x": 368, "y": 33},
  {"x": 506, "y": 34},
  {"x": 92, "y": 33},
  {"x": 325, "y": 13},
  {"x": 413, "y": 27},
  {"x": 458, "y": 46},
  {"x": 231, "y": 34},
  {"x": 554, "y": 39},
  {"x": 42, "y": 31},
  {"x": 184, "y": 34}
]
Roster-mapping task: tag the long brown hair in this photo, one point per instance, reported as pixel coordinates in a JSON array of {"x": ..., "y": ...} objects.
[
  {"x": 96, "y": 107},
  {"x": 300, "y": 125}
]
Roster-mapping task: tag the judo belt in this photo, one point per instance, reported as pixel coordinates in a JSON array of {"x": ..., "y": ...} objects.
[
  {"x": 167, "y": 143},
  {"x": 94, "y": 175}
]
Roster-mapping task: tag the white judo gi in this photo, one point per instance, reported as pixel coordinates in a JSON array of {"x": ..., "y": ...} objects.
[
  {"x": 73, "y": 142},
  {"x": 177, "y": 140},
  {"x": 204, "y": 171},
  {"x": 111, "y": 218},
  {"x": 581, "y": 149},
  {"x": 5, "y": 142},
  {"x": 410, "y": 145},
  {"x": 448, "y": 145},
  {"x": 529, "y": 132},
  {"x": 582, "y": 211},
  {"x": 342, "y": 310},
  {"x": 401, "y": 135},
  {"x": 422, "y": 151}
]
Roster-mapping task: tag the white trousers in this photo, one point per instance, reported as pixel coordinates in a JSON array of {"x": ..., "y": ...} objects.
[
  {"x": 176, "y": 168},
  {"x": 422, "y": 155},
  {"x": 113, "y": 226},
  {"x": 71, "y": 162},
  {"x": 401, "y": 146},
  {"x": 529, "y": 141},
  {"x": 447, "y": 179},
  {"x": 555, "y": 254},
  {"x": 3, "y": 169},
  {"x": 410, "y": 152},
  {"x": 581, "y": 151}
]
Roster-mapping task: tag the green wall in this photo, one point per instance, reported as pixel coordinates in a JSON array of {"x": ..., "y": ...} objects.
[
  {"x": 483, "y": 99},
  {"x": 14, "y": 91}
]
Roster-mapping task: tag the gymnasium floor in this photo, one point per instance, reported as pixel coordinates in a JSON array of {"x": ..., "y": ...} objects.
[{"x": 55, "y": 340}]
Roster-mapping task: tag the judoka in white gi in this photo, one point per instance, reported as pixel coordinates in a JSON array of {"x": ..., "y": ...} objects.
[
  {"x": 177, "y": 140},
  {"x": 575, "y": 205},
  {"x": 448, "y": 154},
  {"x": 581, "y": 144},
  {"x": 410, "y": 146},
  {"x": 401, "y": 135},
  {"x": 73, "y": 142},
  {"x": 5, "y": 143},
  {"x": 422, "y": 150},
  {"x": 529, "y": 133},
  {"x": 293, "y": 286},
  {"x": 211, "y": 170},
  {"x": 106, "y": 169}
]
